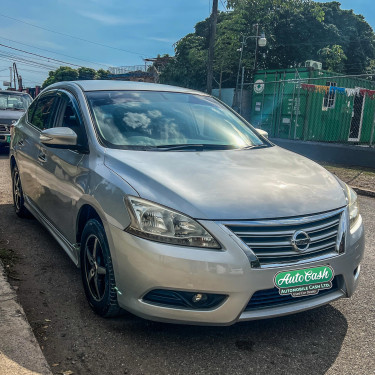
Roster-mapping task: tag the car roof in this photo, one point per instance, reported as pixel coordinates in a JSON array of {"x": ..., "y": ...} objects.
[
  {"x": 108, "y": 85},
  {"x": 13, "y": 92}
]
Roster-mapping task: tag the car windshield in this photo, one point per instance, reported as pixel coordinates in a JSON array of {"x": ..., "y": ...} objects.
[
  {"x": 157, "y": 120},
  {"x": 16, "y": 102}
]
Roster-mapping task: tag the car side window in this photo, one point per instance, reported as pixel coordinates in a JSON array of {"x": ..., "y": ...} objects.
[
  {"x": 43, "y": 115},
  {"x": 31, "y": 109},
  {"x": 70, "y": 118}
]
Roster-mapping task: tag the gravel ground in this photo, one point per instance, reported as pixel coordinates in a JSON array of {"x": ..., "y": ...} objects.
[
  {"x": 334, "y": 339},
  {"x": 355, "y": 176}
]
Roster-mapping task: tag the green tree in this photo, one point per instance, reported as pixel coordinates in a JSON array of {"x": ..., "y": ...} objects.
[
  {"x": 86, "y": 73},
  {"x": 333, "y": 58},
  {"x": 189, "y": 67},
  {"x": 296, "y": 31},
  {"x": 102, "y": 74},
  {"x": 226, "y": 50},
  {"x": 64, "y": 73}
]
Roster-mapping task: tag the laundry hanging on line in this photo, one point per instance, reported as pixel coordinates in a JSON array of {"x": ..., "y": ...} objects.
[{"x": 341, "y": 90}]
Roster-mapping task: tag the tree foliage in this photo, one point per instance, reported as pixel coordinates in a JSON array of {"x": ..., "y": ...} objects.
[
  {"x": 86, "y": 73},
  {"x": 333, "y": 58},
  {"x": 296, "y": 31},
  {"x": 66, "y": 73},
  {"x": 189, "y": 68}
]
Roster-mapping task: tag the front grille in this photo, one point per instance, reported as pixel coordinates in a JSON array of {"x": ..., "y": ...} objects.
[
  {"x": 7, "y": 121},
  {"x": 4, "y": 128},
  {"x": 271, "y": 298},
  {"x": 270, "y": 240}
]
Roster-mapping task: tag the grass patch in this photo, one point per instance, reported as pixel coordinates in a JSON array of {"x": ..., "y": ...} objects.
[
  {"x": 355, "y": 176},
  {"x": 364, "y": 170}
]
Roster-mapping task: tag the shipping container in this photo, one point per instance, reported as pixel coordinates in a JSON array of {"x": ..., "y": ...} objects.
[{"x": 281, "y": 105}]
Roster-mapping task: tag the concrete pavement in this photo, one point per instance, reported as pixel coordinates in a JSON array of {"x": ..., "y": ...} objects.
[{"x": 20, "y": 353}]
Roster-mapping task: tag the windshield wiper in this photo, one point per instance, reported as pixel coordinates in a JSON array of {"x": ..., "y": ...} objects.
[
  {"x": 255, "y": 146},
  {"x": 194, "y": 146}
]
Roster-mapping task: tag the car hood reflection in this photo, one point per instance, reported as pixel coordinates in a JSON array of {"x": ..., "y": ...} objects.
[{"x": 231, "y": 184}]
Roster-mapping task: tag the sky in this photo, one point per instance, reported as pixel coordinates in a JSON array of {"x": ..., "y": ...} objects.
[{"x": 123, "y": 32}]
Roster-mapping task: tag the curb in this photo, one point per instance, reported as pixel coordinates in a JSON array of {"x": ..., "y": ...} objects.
[
  {"x": 20, "y": 353},
  {"x": 365, "y": 192}
]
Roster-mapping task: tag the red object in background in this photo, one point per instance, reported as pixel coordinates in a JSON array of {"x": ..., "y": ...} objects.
[{"x": 33, "y": 91}]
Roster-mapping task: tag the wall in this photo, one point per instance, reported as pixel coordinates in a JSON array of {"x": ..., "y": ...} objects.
[{"x": 348, "y": 155}]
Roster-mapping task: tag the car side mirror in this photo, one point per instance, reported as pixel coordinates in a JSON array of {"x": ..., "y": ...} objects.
[
  {"x": 262, "y": 132},
  {"x": 60, "y": 137}
]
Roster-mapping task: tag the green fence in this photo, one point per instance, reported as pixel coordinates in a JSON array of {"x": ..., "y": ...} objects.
[{"x": 314, "y": 105}]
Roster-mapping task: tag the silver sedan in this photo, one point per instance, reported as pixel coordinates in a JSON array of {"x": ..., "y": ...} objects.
[{"x": 178, "y": 210}]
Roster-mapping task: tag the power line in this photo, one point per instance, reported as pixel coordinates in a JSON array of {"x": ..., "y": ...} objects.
[
  {"x": 33, "y": 71},
  {"x": 296, "y": 80},
  {"x": 223, "y": 4},
  {"x": 42, "y": 64},
  {"x": 21, "y": 63},
  {"x": 57, "y": 53},
  {"x": 35, "y": 54},
  {"x": 72, "y": 36},
  {"x": 35, "y": 65}
]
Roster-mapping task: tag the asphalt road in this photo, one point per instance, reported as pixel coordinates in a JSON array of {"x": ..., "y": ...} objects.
[{"x": 334, "y": 339}]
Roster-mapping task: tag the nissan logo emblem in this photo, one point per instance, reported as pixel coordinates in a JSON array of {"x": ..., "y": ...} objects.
[{"x": 300, "y": 240}]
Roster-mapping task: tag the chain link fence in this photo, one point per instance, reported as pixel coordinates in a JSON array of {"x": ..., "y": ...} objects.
[{"x": 311, "y": 105}]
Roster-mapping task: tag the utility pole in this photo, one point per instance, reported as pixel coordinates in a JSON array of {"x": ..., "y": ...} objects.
[
  {"x": 10, "y": 76},
  {"x": 236, "y": 96},
  {"x": 256, "y": 47},
  {"x": 260, "y": 41},
  {"x": 211, "y": 46}
]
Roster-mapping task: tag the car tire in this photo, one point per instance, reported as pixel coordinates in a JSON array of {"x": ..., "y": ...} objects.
[
  {"x": 18, "y": 198},
  {"x": 97, "y": 272}
]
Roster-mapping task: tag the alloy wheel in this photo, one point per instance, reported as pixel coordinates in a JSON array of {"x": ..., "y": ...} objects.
[
  {"x": 17, "y": 190},
  {"x": 94, "y": 267}
]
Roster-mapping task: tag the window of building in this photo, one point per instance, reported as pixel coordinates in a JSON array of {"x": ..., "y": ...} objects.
[{"x": 330, "y": 96}]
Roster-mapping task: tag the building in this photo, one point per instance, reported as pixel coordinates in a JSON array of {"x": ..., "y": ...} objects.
[
  {"x": 135, "y": 73},
  {"x": 149, "y": 72}
]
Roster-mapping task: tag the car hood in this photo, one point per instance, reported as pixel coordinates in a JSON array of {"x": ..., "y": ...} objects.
[
  {"x": 231, "y": 184},
  {"x": 9, "y": 115}
]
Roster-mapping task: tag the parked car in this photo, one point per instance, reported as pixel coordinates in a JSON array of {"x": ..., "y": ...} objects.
[
  {"x": 13, "y": 105},
  {"x": 178, "y": 210}
]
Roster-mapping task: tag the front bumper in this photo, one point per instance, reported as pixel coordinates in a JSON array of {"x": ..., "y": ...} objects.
[{"x": 142, "y": 265}]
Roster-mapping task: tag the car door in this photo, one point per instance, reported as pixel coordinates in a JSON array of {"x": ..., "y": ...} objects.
[
  {"x": 60, "y": 171},
  {"x": 26, "y": 143}
]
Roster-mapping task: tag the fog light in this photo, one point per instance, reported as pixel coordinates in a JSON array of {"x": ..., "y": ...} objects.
[
  {"x": 199, "y": 297},
  {"x": 181, "y": 299}
]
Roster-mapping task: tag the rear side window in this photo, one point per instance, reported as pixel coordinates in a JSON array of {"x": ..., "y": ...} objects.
[
  {"x": 31, "y": 109},
  {"x": 43, "y": 114}
]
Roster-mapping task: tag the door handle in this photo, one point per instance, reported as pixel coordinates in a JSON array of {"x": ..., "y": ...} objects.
[{"x": 42, "y": 157}]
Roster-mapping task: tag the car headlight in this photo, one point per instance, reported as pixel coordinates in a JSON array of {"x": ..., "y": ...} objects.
[
  {"x": 154, "y": 222},
  {"x": 353, "y": 205}
]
